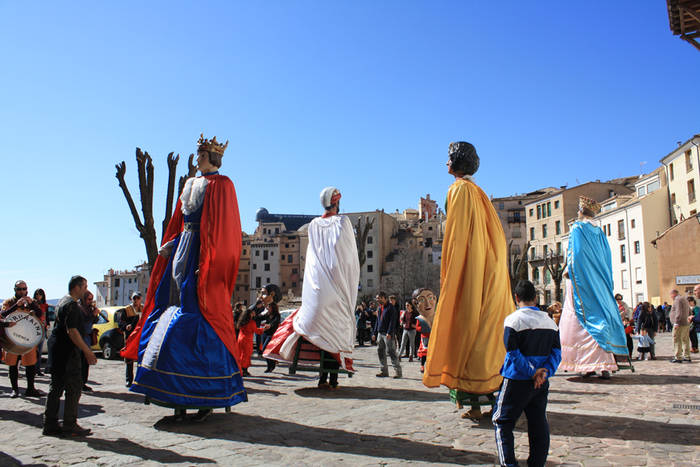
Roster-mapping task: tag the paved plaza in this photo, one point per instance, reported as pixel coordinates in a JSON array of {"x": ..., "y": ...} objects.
[{"x": 650, "y": 417}]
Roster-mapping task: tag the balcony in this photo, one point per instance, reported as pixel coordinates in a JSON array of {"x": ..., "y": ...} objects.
[{"x": 516, "y": 219}]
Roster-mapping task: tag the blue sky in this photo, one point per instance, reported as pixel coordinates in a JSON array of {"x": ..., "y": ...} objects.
[{"x": 362, "y": 95}]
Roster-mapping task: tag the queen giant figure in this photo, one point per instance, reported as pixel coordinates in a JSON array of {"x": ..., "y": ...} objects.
[{"x": 187, "y": 353}]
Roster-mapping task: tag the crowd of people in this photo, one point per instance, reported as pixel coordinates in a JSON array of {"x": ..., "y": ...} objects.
[{"x": 473, "y": 341}]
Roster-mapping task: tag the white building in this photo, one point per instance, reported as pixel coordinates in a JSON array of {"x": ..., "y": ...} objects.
[
  {"x": 630, "y": 223},
  {"x": 117, "y": 286}
]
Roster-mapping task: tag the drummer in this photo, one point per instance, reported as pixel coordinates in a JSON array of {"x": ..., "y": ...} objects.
[{"x": 23, "y": 303}]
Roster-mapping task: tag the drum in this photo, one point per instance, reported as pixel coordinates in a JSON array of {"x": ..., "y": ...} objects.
[{"x": 22, "y": 337}]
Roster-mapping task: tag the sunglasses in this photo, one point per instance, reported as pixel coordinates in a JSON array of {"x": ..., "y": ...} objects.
[{"x": 20, "y": 288}]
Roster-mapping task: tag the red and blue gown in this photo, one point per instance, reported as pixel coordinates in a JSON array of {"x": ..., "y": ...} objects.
[{"x": 187, "y": 354}]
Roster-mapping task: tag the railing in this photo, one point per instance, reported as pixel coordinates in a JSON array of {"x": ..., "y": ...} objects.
[{"x": 516, "y": 220}]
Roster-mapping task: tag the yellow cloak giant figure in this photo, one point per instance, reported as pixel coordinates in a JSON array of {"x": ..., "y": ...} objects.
[{"x": 466, "y": 347}]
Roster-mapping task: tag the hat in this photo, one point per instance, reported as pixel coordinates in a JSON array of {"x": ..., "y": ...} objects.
[
  {"x": 329, "y": 196},
  {"x": 135, "y": 294}
]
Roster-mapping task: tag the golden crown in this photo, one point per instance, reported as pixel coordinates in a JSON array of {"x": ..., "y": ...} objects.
[
  {"x": 588, "y": 203},
  {"x": 211, "y": 145}
]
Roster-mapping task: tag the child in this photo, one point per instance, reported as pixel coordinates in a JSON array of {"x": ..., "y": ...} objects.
[
  {"x": 246, "y": 328},
  {"x": 644, "y": 344},
  {"x": 533, "y": 353},
  {"x": 629, "y": 330},
  {"x": 423, "y": 328}
]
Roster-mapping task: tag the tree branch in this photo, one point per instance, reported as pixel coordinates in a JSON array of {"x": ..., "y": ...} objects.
[{"x": 121, "y": 171}]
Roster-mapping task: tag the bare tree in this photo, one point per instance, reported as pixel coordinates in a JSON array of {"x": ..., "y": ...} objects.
[
  {"x": 556, "y": 269},
  {"x": 145, "y": 171},
  {"x": 361, "y": 238},
  {"x": 516, "y": 261}
]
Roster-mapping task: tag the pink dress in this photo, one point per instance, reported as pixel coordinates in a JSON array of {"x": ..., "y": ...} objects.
[{"x": 580, "y": 353}]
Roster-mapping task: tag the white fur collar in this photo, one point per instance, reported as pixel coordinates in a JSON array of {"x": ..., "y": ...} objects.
[
  {"x": 468, "y": 178},
  {"x": 192, "y": 195}
]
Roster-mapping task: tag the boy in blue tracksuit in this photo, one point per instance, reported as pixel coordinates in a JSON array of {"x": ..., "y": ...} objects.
[{"x": 533, "y": 353}]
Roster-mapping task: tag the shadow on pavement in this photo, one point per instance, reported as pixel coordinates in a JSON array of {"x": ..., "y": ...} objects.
[
  {"x": 263, "y": 391},
  {"x": 627, "y": 378},
  {"x": 126, "y": 447},
  {"x": 622, "y": 428},
  {"x": 126, "y": 396},
  {"x": 279, "y": 433},
  {"x": 9, "y": 461},
  {"x": 364, "y": 393},
  {"x": 579, "y": 393}
]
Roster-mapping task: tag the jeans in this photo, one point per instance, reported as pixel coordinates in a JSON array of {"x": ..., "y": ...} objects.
[
  {"x": 385, "y": 344},
  {"x": 409, "y": 337},
  {"x": 69, "y": 380}
]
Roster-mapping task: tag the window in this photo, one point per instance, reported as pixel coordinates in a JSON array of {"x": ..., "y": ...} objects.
[
  {"x": 653, "y": 186},
  {"x": 516, "y": 217},
  {"x": 515, "y": 233},
  {"x": 632, "y": 224},
  {"x": 272, "y": 253},
  {"x": 532, "y": 233},
  {"x": 370, "y": 283},
  {"x": 370, "y": 254},
  {"x": 294, "y": 285},
  {"x": 501, "y": 205},
  {"x": 282, "y": 257},
  {"x": 277, "y": 230},
  {"x": 544, "y": 230},
  {"x": 556, "y": 205},
  {"x": 116, "y": 282},
  {"x": 370, "y": 268},
  {"x": 290, "y": 258},
  {"x": 295, "y": 270},
  {"x": 547, "y": 277},
  {"x": 557, "y": 227},
  {"x": 539, "y": 211},
  {"x": 691, "y": 191},
  {"x": 536, "y": 275},
  {"x": 559, "y": 248},
  {"x": 625, "y": 279},
  {"x": 688, "y": 161},
  {"x": 244, "y": 250},
  {"x": 267, "y": 281},
  {"x": 257, "y": 283},
  {"x": 549, "y": 209},
  {"x": 673, "y": 199},
  {"x": 606, "y": 229},
  {"x": 670, "y": 170},
  {"x": 255, "y": 266},
  {"x": 532, "y": 212},
  {"x": 532, "y": 253},
  {"x": 620, "y": 230},
  {"x": 266, "y": 254},
  {"x": 430, "y": 228},
  {"x": 286, "y": 245},
  {"x": 641, "y": 191},
  {"x": 638, "y": 275},
  {"x": 369, "y": 240},
  {"x": 545, "y": 250},
  {"x": 623, "y": 254},
  {"x": 547, "y": 296},
  {"x": 266, "y": 266},
  {"x": 637, "y": 247}
]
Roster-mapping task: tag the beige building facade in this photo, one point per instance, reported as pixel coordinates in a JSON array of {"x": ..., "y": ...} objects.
[{"x": 682, "y": 168}]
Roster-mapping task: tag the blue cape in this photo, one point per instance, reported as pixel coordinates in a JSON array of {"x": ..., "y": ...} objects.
[{"x": 590, "y": 269}]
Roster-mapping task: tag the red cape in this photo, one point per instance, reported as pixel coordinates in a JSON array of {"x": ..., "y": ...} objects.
[{"x": 219, "y": 254}]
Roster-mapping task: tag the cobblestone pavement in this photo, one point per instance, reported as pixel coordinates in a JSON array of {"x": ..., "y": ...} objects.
[{"x": 650, "y": 417}]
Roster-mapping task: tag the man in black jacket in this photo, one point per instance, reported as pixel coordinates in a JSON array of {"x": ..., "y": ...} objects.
[{"x": 385, "y": 331}]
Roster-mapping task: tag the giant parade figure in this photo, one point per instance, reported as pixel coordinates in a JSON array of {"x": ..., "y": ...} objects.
[
  {"x": 466, "y": 350},
  {"x": 326, "y": 318},
  {"x": 187, "y": 352},
  {"x": 590, "y": 326}
]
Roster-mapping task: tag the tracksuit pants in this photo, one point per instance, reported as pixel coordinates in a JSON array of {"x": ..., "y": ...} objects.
[{"x": 515, "y": 398}]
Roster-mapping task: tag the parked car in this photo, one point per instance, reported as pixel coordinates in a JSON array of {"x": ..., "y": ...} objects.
[{"x": 110, "y": 338}]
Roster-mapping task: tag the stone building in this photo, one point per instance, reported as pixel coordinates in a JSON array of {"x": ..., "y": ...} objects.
[
  {"x": 117, "y": 286},
  {"x": 682, "y": 167},
  {"x": 547, "y": 222},
  {"x": 679, "y": 257},
  {"x": 241, "y": 291}
]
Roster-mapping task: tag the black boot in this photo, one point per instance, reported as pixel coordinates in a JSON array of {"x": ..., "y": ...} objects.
[
  {"x": 14, "y": 380},
  {"x": 271, "y": 364},
  {"x": 31, "y": 391}
]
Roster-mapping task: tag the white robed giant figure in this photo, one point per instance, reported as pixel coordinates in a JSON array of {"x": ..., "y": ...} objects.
[{"x": 326, "y": 317}]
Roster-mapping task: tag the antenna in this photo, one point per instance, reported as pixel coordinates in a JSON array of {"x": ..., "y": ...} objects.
[{"x": 641, "y": 164}]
